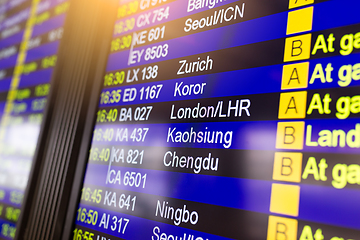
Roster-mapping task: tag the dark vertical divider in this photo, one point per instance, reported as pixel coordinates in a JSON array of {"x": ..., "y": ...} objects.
[{"x": 68, "y": 120}]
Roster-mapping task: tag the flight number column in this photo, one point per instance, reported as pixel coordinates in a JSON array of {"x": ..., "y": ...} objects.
[{"x": 108, "y": 209}]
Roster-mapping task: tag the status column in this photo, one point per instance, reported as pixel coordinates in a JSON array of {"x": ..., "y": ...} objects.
[{"x": 285, "y": 196}]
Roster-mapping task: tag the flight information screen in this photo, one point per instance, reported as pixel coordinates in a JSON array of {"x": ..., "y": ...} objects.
[
  {"x": 227, "y": 120},
  {"x": 29, "y": 39}
]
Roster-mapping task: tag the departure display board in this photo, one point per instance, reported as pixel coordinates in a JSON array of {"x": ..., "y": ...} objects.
[
  {"x": 227, "y": 120},
  {"x": 29, "y": 39}
]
